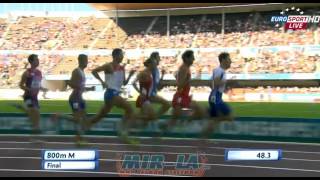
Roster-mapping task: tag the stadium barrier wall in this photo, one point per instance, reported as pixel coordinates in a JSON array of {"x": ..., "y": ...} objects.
[{"x": 243, "y": 128}]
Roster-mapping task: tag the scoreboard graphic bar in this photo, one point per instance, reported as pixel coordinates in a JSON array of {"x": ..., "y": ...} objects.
[
  {"x": 253, "y": 154},
  {"x": 70, "y": 159}
]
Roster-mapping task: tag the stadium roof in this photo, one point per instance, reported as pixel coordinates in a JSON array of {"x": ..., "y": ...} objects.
[
  {"x": 159, "y": 9},
  {"x": 136, "y": 6}
]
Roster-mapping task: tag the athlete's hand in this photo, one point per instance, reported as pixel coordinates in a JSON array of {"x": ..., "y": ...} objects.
[
  {"x": 143, "y": 96},
  {"x": 180, "y": 90},
  {"x": 27, "y": 90},
  {"x": 92, "y": 88},
  {"x": 227, "y": 89},
  {"x": 231, "y": 84},
  {"x": 132, "y": 71},
  {"x": 104, "y": 86},
  {"x": 160, "y": 85},
  {"x": 44, "y": 89}
]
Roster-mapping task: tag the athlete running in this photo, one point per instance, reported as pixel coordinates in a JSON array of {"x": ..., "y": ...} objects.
[
  {"x": 31, "y": 85},
  {"x": 145, "y": 80},
  {"x": 182, "y": 99},
  {"x": 157, "y": 85},
  {"x": 218, "y": 109},
  {"x": 114, "y": 80},
  {"x": 76, "y": 101}
]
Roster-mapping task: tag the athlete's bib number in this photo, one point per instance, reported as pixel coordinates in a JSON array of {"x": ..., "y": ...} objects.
[
  {"x": 144, "y": 91},
  {"x": 28, "y": 102},
  {"x": 146, "y": 102},
  {"x": 35, "y": 84},
  {"x": 75, "y": 105},
  {"x": 213, "y": 99}
]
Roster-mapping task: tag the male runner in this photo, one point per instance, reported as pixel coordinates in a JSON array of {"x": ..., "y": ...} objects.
[
  {"x": 145, "y": 80},
  {"x": 218, "y": 109},
  {"x": 154, "y": 97},
  {"x": 114, "y": 80},
  {"x": 182, "y": 99},
  {"x": 31, "y": 85},
  {"x": 77, "y": 103}
]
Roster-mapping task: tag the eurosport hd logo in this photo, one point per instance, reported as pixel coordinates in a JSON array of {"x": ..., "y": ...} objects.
[
  {"x": 294, "y": 19},
  {"x": 159, "y": 164}
]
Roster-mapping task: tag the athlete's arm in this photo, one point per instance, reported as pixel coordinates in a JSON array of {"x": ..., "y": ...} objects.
[
  {"x": 23, "y": 82},
  {"x": 162, "y": 74},
  {"x": 106, "y": 68},
  {"x": 134, "y": 83},
  {"x": 143, "y": 78},
  {"x": 217, "y": 79},
  {"x": 212, "y": 84},
  {"x": 182, "y": 78},
  {"x": 160, "y": 86},
  {"x": 92, "y": 88},
  {"x": 74, "y": 82},
  {"x": 199, "y": 82},
  {"x": 125, "y": 81},
  {"x": 44, "y": 89},
  {"x": 218, "y": 82}
]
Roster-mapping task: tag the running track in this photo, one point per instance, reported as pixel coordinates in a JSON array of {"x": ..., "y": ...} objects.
[{"x": 19, "y": 157}]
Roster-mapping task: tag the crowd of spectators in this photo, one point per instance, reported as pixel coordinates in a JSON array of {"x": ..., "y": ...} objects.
[
  {"x": 196, "y": 31},
  {"x": 12, "y": 66},
  {"x": 264, "y": 62}
]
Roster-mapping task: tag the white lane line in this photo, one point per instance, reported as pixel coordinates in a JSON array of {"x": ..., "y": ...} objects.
[
  {"x": 105, "y": 144},
  {"x": 265, "y": 167},
  {"x": 168, "y": 138},
  {"x": 119, "y": 151},
  {"x": 307, "y": 160},
  {"x": 267, "y": 142},
  {"x": 86, "y": 172},
  {"x": 110, "y": 160},
  {"x": 155, "y": 145},
  {"x": 223, "y": 165},
  {"x": 153, "y": 152},
  {"x": 289, "y": 159}
]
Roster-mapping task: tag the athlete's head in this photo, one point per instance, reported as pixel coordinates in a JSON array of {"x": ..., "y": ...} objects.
[
  {"x": 156, "y": 56},
  {"x": 225, "y": 61},
  {"x": 117, "y": 55},
  {"x": 188, "y": 57},
  {"x": 33, "y": 60},
  {"x": 82, "y": 61},
  {"x": 150, "y": 63}
]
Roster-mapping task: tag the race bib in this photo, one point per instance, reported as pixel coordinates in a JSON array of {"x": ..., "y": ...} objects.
[
  {"x": 179, "y": 100},
  {"x": 144, "y": 91},
  {"x": 146, "y": 102},
  {"x": 212, "y": 99},
  {"x": 28, "y": 102},
  {"x": 75, "y": 105},
  {"x": 35, "y": 84}
]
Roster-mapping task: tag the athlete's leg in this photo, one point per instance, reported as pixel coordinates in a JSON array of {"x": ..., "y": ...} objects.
[
  {"x": 175, "y": 115},
  {"x": 217, "y": 113},
  {"x": 79, "y": 118},
  {"x": 128, "y": 117},
  {"x": 165, "y": 105},
  {"x": 198, "y": 111},
  {"x": 108, "y": 104},
  {"x": 34, "y": 116},
  {"x": 101, "y": 114},
  {"x": 147, "y": 114}
]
